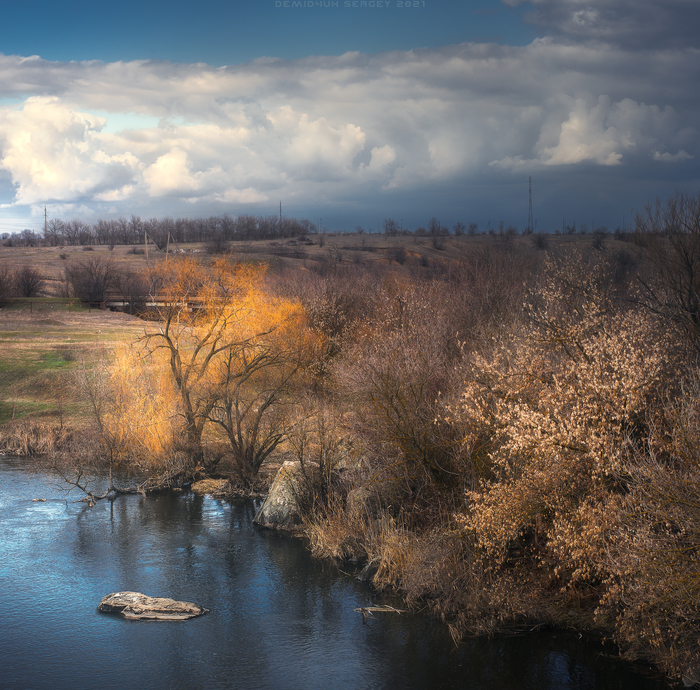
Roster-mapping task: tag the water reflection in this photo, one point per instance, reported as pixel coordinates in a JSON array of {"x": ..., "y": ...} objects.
[{"x": 278, "y": 619}]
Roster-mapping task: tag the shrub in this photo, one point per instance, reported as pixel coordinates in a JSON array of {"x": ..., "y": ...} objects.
[
  {"x": 657, "y": 592},
  {"x": 90, "y": 278},
  {"x": 28, "y": 282},
  {"x": 562, "y": 404},
  {"x": 541, "y": 241},
  {"x": 399, "y": 254}
]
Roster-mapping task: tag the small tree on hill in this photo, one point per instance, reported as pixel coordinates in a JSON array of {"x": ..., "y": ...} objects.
[
  {"x": 28, "y": 282},
  {"x": 91, "y": 278}
]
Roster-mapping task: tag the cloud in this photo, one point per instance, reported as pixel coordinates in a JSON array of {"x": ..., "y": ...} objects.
[
  {"x": 672, "y": 157},
  {"x": 602, "y": 132},
  {"x": 333, "y": 129},
  {"x": 636, "y": 24},
  {"x": 54, "y": 153}
]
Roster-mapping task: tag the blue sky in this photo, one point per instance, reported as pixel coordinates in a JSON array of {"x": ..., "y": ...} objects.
[
  {"x": 354, "y": 111},
  {"x": 229, "y": 32}
]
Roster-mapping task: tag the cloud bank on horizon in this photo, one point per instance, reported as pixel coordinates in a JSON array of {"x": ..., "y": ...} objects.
[{"x": 600, "y": 109}]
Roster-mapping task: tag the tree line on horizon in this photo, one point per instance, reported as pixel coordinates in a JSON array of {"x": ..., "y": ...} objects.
[{"x": 227, "y": 228}]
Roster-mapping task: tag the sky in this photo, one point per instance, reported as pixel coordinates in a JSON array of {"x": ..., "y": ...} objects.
[{"x": 349, "y": 111}]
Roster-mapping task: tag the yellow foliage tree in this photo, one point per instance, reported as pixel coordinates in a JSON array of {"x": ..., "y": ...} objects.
[
  {"x": 231, "y": 350},
  {"x": 132, "y": 404},
  {"x": 254, "y": 377},
  {"x": 142, "y": 411}
]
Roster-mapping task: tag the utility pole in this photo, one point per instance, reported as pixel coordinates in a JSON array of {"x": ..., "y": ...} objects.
[
  {"x": 530, "y": 223},
  {"x": 280, "y": 211}
]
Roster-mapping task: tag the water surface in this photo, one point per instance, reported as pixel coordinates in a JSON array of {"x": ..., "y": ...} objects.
[{"x": 278, "y": 619}]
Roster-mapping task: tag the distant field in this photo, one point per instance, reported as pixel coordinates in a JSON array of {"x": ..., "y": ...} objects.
[
  {"x": 40, "y": 351},
  {"x": 342, "y": 248}
]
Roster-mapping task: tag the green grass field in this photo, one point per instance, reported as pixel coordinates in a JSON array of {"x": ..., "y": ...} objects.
[{"x": 41, "y": 349}]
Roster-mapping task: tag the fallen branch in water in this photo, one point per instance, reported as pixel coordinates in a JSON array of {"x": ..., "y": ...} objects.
[
  {"x": 368, "y": 611},
  {"x": 80, "y": 480}
]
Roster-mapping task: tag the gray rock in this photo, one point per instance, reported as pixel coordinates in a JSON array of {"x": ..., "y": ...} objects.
[
  {"x": 281, "y": 508},
  {"x": 136, "y": 606}
]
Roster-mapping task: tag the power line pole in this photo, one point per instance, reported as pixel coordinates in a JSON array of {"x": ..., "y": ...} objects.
[
  {"x": 46, "y": 224},
  {"x": 530, "y": 223}
]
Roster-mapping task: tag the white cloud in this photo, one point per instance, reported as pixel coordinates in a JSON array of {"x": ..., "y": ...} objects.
[
  {"x": 600, "y": 132},
  {"x": 171, "y": 174},
  {"x": 53, "y": 152},
  {"x": 140, "y": 133}
]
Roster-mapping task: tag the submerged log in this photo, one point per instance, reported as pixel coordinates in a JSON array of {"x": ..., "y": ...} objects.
[
  {"x": 136, "y": 606},
  {"x": 369, "y": 611}
]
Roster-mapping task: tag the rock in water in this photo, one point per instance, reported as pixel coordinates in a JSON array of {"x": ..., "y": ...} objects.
[
  {"x": 280, "y": 510},
  {"x": 136, "y": 606}
]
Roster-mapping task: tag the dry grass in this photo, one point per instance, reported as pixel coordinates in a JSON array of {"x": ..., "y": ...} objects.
[
  {"x": 41, "y": 350},
  {"x": 50, "y": 264},
  {"x": 335, "y": 248},
  {"x": 32, "y": 438}
]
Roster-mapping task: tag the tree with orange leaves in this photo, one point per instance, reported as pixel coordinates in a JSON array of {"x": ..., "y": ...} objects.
[
  {"x": 269, "y": 349},
  {"x": 231, "y": 353}
]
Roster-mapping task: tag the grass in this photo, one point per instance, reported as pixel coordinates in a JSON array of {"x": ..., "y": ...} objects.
[
  {"x": 344, "y": 248},
  {"x": 39, "y": 357}
]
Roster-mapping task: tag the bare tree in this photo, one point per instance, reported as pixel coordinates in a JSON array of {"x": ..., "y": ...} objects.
[
  {"x": 670, "y": 235},
  {"x": 91, "y": 278},
  {"x": 391, "y": 227},
  {"x": 28, "y": 282},
  {"x": 255, "y": 378},
  {"x": 6, "y": 282}
]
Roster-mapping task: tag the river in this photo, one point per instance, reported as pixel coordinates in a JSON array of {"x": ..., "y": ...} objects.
[{"x": 278, "y": 619}]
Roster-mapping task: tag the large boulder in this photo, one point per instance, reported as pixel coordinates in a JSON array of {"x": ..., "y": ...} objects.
[
  {"x": 281, "y": 508},
  {"x": 136, "y": 606}
]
